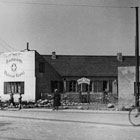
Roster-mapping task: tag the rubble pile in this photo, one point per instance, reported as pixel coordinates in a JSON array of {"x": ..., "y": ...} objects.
[
  {"x": 68, "y": 103},
  {"x": 44, "y": 103},
  {"x": 49, "y": 103}
]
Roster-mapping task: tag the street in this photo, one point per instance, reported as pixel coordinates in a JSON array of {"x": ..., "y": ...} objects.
[{"x": 45, "y": 124}]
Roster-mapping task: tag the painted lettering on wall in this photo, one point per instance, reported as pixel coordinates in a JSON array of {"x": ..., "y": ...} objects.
[
  {"x": 14, "y": 65},
  {"x": 13, "y": 60},
  {"x": 14, "y": 75}
]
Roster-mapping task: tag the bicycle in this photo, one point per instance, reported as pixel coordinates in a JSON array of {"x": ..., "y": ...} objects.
[{"x": 134, "y": 115}]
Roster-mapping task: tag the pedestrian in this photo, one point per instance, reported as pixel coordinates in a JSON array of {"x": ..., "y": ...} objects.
[
  {"x": 56, "y": 99},
  {"x": 105, "y": 96},
  {"x": 11, "y": 101},
  {"x": 20, "y": 101}
]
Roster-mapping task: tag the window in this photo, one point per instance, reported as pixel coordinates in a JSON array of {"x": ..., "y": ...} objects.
[
  {"x": 41, "y": 67},
  {"x": 54, "y": 85},
  {"x": 95, "y": 86},
  {"x": 13, "y": 87},
  {"x": 110, "y": 85},
  {"x": 98, "y": 86},
  {"x": 90, "y": 86},
  {"x": 57, "y": 85},
  {"x": 72, "y": 86},
  {"x": 104, "y": 85}
]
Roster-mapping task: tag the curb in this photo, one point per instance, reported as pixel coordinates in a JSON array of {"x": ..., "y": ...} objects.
[{"x": 76, "y": 111}]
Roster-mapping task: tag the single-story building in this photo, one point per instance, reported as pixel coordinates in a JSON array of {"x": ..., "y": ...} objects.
[{"x": 34, "y": 75}]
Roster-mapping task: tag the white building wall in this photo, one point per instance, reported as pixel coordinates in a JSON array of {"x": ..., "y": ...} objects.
[
  {"x": 18, "y": 67},
  {"x": 126, "y": 79}
]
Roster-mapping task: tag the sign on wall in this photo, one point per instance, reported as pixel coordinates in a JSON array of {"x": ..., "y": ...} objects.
[
  {"x": 17, "y": 64},
  {"x": 13, "y": 64},
  {"x": 83, "y": 80}
]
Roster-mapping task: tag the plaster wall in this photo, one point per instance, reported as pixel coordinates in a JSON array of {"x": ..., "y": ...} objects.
[{"x": 126, "y": 79}]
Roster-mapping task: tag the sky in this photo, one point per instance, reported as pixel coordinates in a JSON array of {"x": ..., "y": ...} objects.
[{"x": 68, "y": 27}]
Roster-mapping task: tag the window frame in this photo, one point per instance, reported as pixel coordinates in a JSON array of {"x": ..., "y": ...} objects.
[{"x": 15, "y": 87}]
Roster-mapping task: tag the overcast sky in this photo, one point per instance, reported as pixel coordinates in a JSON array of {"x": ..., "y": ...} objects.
[{"x": 102, "y": 27}]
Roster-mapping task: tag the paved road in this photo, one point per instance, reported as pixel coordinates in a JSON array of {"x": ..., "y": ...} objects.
[{"x": 45, "y": 124}]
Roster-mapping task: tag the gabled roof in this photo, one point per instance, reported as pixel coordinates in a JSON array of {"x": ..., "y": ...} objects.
[{"x": 75, "y": 65}]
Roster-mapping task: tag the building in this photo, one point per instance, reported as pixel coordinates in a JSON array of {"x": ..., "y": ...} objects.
[
  {"x": 34, "y": 75},
  {"x": 27, "y": 73}
]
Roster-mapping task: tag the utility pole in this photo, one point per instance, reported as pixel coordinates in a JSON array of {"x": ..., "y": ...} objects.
[{"x": 137, "y": 58}]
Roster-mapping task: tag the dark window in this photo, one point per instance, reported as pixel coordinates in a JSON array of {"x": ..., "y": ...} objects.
[
  {"x": 98, "y": 86},
  {"x": 57, "y": 85},
  {"x": 90, "y": 86},
  {"x": 110, "y": 85},
  {"x": 104, "y": 85},
  {"x": 95, "y": 86},
  {"x": 54, "y": 85},
  {"x": 13, "y": 87},
  {"x": 72, "y": 86},
  {"x": 41, "y": 67},
  {"x": 61, "y": 86}
]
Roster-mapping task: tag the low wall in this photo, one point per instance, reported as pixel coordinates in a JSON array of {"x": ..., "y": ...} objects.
[{"x": 93, "y": 97}]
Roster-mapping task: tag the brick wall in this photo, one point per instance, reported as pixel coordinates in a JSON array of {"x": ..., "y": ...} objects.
[{"x": 43, "y": 80}]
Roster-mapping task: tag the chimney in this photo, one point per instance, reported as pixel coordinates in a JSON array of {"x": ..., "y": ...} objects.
[
  {"x": 27, "y": 46},
  {"x": 119, "y": 57},
  {"x": 53, "y": 55}
]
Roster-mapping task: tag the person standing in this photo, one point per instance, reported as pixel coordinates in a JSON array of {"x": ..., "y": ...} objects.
[
  {"x": 105, "y": 96},
  {"x": 20, "y": 101},
  {"x": 56, "y": 99},
  {"x": 11, "y": 101}
]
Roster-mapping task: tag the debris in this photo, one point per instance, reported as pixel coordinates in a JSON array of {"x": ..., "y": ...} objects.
[
  {"x": 110, "y": 105},
  {"x": 79, "y": 107}
]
